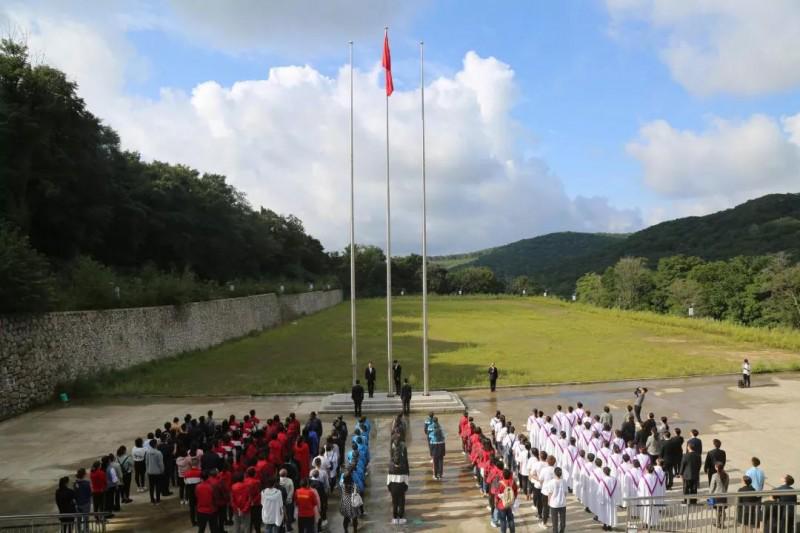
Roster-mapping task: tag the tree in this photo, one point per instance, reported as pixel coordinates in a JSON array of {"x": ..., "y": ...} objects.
[
  {"x": 589, "y": 289},
  {"x": 781, "y": 281},
  {"x": 25, "y": 280},
  {"x": 668, "y": 271},
  {"x": 632, "y": 282},
  {"x": 682, "y": 294},
  {"x": 474, "y": 280}
]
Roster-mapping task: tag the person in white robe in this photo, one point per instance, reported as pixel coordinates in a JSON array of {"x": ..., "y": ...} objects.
[
  {"x": 608, "y": 497},
  {"x": 551, "y": 443},
  {"x": 568, "y": 468},
  {"x": 618, "y": 441},
  {"x": 585, "y": 437},
  {"x": 576, "y": 475},
  {"x": 631, "y": 475},
  {"x": 572, "y": 420},
  {"x": 580, "y": 412},
  {"x": 650, "y": 490},
  {"x": 615, "y": 462},
  {"x": 561, "y": 449},
  {"x": 588, "y": 482},
  {"x": 644, "y": 459},
  {"x": 532, "y": 427}
]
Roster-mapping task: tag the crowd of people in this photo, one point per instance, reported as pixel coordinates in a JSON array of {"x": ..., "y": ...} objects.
[
  {"x": 577, "y": 454},
  {"x": 253, "y": 475},
  {"x": 274, "y": 474}
]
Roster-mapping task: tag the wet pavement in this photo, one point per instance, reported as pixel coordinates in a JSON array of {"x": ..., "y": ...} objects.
[{"x": 39, "y": 447}]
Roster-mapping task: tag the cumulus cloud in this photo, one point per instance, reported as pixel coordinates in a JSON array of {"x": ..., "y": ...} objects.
[
  {"x": 721, "y": 46},
  {"x": 733, "y": 159},
  {"x": 284, "y": 141}
]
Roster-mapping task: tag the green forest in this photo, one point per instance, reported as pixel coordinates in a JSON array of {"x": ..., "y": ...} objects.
[{"x": 85, "y": 224}]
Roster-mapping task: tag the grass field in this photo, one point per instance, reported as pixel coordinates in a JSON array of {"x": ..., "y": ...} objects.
[{"x": 532, "y": 340}]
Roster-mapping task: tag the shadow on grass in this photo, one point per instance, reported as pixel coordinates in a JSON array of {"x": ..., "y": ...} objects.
[{"x": 190, "y": 373}]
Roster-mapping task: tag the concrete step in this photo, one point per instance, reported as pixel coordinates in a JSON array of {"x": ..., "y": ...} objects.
[{"x": 436, "y": 401}]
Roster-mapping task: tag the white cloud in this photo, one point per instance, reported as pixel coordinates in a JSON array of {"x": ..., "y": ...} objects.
[
  {"x": 283, "y": 140},
  {"x": 298, "y": 27},
  {"x": 722, "y": 46},
  {"x": 728, "y": 159}
]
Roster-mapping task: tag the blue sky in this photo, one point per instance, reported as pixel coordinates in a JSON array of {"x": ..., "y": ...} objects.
[{"x": 618, "y": 114}]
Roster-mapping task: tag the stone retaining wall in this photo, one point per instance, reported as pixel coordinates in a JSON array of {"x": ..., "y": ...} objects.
[{"x": 37, "y": 352}]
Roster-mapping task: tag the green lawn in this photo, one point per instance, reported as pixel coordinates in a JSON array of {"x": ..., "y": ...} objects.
[{"x": 532, "y": 340}]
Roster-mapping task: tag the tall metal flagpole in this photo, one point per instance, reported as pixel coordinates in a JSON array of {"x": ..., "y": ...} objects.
[
  {"x": 353, "y": 351},
  {"x": 388, "y": 255},
  {"x": 425, "y": 389}
]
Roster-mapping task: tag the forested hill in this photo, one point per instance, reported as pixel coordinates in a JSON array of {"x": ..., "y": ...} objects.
[
  {"x": 86, "y": 224},
  {"x": 764, "y": 225}
]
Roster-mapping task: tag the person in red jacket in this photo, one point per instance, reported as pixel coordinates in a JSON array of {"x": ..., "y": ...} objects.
[
  {"x": 275, "y": 451},
  {"x": 307, "y": 502},
  {"x": 226, "y": 482},
  {"x": 302, "y": 457},
  {"x": 463, "y": 425},
  {"x": 506, "y": 495},
  {"x": 206, "y": 508},
  {"x": 253, "y": 483},
  {"x": 192, "y": 478},
  {"x": 241, "y": 501},
  {"x": 99, "y": 485}
]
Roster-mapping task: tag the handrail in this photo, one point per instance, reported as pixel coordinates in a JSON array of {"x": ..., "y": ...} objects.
[
  {"x": 103, "y": 515},
  {"x": 673, "y": 497}
]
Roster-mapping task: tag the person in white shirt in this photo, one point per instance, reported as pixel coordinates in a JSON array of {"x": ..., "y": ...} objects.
[
  {"x": 546, "y": 474},
  {"x": 522, "y": 473},
  {"x": 746, "y": 373},
  {"x": 556, "y": 490},
  {"x": 271, "y": 505}
]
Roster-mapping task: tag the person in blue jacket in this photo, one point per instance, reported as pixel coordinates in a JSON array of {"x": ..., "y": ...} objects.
[{"x": 436, "y": 441}]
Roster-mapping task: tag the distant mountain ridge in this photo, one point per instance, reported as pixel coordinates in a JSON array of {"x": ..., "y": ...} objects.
[{"x": 769, "y": 224}]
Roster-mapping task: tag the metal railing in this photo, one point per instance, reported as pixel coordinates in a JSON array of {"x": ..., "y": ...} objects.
[
  {"x": 731, "y": 512},
  {"x": 61, "y": 523}
]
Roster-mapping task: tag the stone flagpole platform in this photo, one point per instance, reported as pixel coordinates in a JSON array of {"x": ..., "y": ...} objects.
[{"x": 437, "y": 401}]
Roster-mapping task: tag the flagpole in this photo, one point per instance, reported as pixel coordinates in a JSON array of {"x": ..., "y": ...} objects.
[
  {"x": 353, "y": 351},
  {"x": 388, "y": 252},
  {"x": 425, "y": 388}
]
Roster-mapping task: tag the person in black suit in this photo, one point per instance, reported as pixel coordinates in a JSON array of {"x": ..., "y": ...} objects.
[
  {"x": 405, "y": 395},
  {"x": 690, "y": 472},
  {"x": 714, "y": 456},
  {"x": 493, "y": 375},
  {"x": 370, "y": 375},
  {"x": 397, "y": 373},
  {"x": 357, "y": 394},
  {"x": 672, "y": 453},
  {"x": 628, "y": 429}
]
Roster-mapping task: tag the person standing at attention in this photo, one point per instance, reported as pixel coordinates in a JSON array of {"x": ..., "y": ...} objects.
[
  {"x": 357, "y": 394},
  {"x": 746, "y": 373},
  {"x": 397, "y": 374},
  {"x": 493, "y": 375},
  {"x": 370, "y": 375},
  {"x": 714, "y": 456},
  {"x": 556, "y": 490},
  {"x": 690, "y": 472},
  {"x": 638, "y": 401},
  {"x": 405, "y": 395}
]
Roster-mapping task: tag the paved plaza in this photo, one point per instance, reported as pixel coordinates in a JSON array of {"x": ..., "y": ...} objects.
[{"x": 42, "y": 445}]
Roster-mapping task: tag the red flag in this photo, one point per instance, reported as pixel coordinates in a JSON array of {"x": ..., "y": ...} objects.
[{"x": 387, "y": 64}]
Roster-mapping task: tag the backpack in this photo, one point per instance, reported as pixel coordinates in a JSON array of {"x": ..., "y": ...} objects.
[{"x": 507, "y": 496}]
